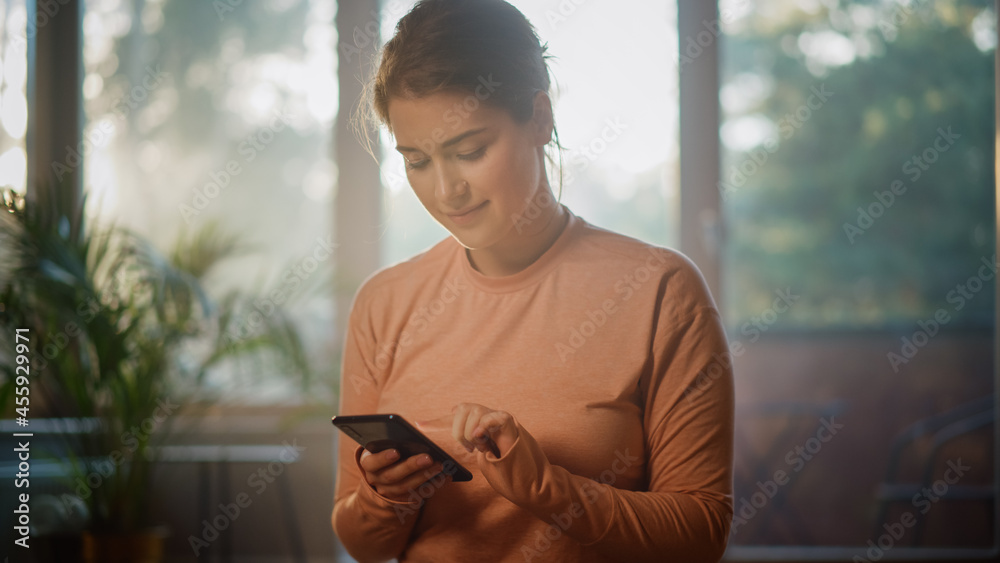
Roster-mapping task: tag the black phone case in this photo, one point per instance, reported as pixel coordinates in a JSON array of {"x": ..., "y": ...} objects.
[{"x": 377, "y": 432}]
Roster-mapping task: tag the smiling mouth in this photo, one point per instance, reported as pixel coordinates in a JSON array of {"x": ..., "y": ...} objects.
[
  {"x": 467, "y": 211},
  {"x": 469, "y": 217}
]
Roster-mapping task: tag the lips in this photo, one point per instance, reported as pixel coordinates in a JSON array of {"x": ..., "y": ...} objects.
[
  {"x": 465, "y": 211},
  {"x": 467, "y": 215}
]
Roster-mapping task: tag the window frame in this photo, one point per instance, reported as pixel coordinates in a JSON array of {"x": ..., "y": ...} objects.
[
  {"x": 702, "y": 239},
  {"x": 54, "y": 92}
]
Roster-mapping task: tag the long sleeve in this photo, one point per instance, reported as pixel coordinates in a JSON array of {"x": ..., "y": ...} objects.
[
  {"x": 609, "y": 354},
  {"x": 686, "y": 513},
  {"x": 370, "y": 526}
]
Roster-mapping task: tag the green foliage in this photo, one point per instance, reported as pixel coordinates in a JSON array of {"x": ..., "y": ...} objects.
[
  {"x": 119, "y": 334},
  {"x": 786, "y": 224}
]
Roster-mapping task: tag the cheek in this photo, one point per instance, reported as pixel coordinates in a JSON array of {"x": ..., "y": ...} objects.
[{"x": 508, "y": 176}]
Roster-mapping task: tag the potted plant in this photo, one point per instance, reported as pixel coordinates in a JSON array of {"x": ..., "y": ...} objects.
[{"x": 121, "y": 339}]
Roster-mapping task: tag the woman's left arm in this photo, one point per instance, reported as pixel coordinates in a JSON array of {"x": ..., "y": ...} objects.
[{"x": 686, "y": 512}]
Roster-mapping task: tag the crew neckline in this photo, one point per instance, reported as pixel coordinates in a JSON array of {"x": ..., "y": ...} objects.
[{"x": 528, "y": 276}]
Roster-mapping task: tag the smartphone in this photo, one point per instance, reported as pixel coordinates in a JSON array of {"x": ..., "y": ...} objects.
[{"x": 377, "y": 432}]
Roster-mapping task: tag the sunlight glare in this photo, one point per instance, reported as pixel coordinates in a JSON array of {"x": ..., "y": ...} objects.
[
  {"x": 14, "y": 114},
  {"x": 13, "y": 167}
]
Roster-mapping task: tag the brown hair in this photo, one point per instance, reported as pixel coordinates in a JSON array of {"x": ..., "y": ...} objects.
[{"x": 459, "y": 45}]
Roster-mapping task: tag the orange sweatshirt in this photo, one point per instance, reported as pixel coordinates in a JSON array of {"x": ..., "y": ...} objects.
[{"x": 611, "y": 357}]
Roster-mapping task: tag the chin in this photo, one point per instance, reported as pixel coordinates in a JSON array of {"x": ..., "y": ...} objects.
[
  {"x": 475, "y": 237},
  {"x": 470, "y": 241}
]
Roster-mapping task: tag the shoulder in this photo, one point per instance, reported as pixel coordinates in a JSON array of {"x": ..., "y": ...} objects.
[
  {"x": 644, "y": 267},
  {"x": 397, "y": 281}
]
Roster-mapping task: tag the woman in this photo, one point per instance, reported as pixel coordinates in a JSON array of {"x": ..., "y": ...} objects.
[{"x": 563, "y": 364}]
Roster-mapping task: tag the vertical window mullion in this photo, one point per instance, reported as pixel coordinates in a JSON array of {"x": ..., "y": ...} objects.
[
  {"x": 357, "y": 205},
  {"x": 700, "y": 218},
  {"x": 55, "y": 101}
]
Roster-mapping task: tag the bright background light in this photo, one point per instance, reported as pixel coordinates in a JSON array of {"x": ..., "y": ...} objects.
[{"x": 13, "y": 103}]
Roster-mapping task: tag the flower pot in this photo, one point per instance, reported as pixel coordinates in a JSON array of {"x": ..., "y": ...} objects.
[{"x": 145, "y": 546}]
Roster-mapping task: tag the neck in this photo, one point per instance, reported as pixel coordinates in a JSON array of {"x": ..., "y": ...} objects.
[{"x": 510, "y": 257}]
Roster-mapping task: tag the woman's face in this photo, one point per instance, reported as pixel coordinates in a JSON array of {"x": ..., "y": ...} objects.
[{"x": 471, "y": 165}]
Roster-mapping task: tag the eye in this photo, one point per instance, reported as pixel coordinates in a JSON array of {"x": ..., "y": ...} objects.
[
  {"x": 475, "y": 155},
  {"x": 415, "y": 164}
]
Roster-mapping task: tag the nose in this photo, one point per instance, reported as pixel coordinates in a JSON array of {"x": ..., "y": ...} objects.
[{"x": 450, "y": 187}]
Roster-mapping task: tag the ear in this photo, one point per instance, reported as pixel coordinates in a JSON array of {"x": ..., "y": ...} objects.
[{"x": 541, "y": 118}]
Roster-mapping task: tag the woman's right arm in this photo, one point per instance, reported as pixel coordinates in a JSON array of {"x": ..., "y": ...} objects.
[{"x": 371, "y": 526}]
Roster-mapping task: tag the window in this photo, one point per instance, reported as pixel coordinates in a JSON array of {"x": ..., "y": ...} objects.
[
  {"x": 858, "y": 198},
  {"x": 220, "y": 112}
]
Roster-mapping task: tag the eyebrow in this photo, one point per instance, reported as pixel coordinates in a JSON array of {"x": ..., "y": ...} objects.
[{"x": 449, "y": 142}]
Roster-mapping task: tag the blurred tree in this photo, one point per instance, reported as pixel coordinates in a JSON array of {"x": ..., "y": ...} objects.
[
  {"x": 855, "y": 96},
  {"x": 220, "y": 111}
]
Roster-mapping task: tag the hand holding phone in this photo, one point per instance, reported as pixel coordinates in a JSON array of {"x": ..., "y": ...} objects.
[{"x": 417, "y": 458}]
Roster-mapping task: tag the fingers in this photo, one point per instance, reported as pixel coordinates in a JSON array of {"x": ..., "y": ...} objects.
[
  {"x": 466, "y": 419},
  {"x": 496, "y": 430},
  {"x": 403, "y": 489},
  {"x": 458, "y": 423},
  {"x": 394, "y": 478},
  {"x": 473, "y": 434},
  {"x": 376, "y": 462},
  {"x": 479, "y": 428}
]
